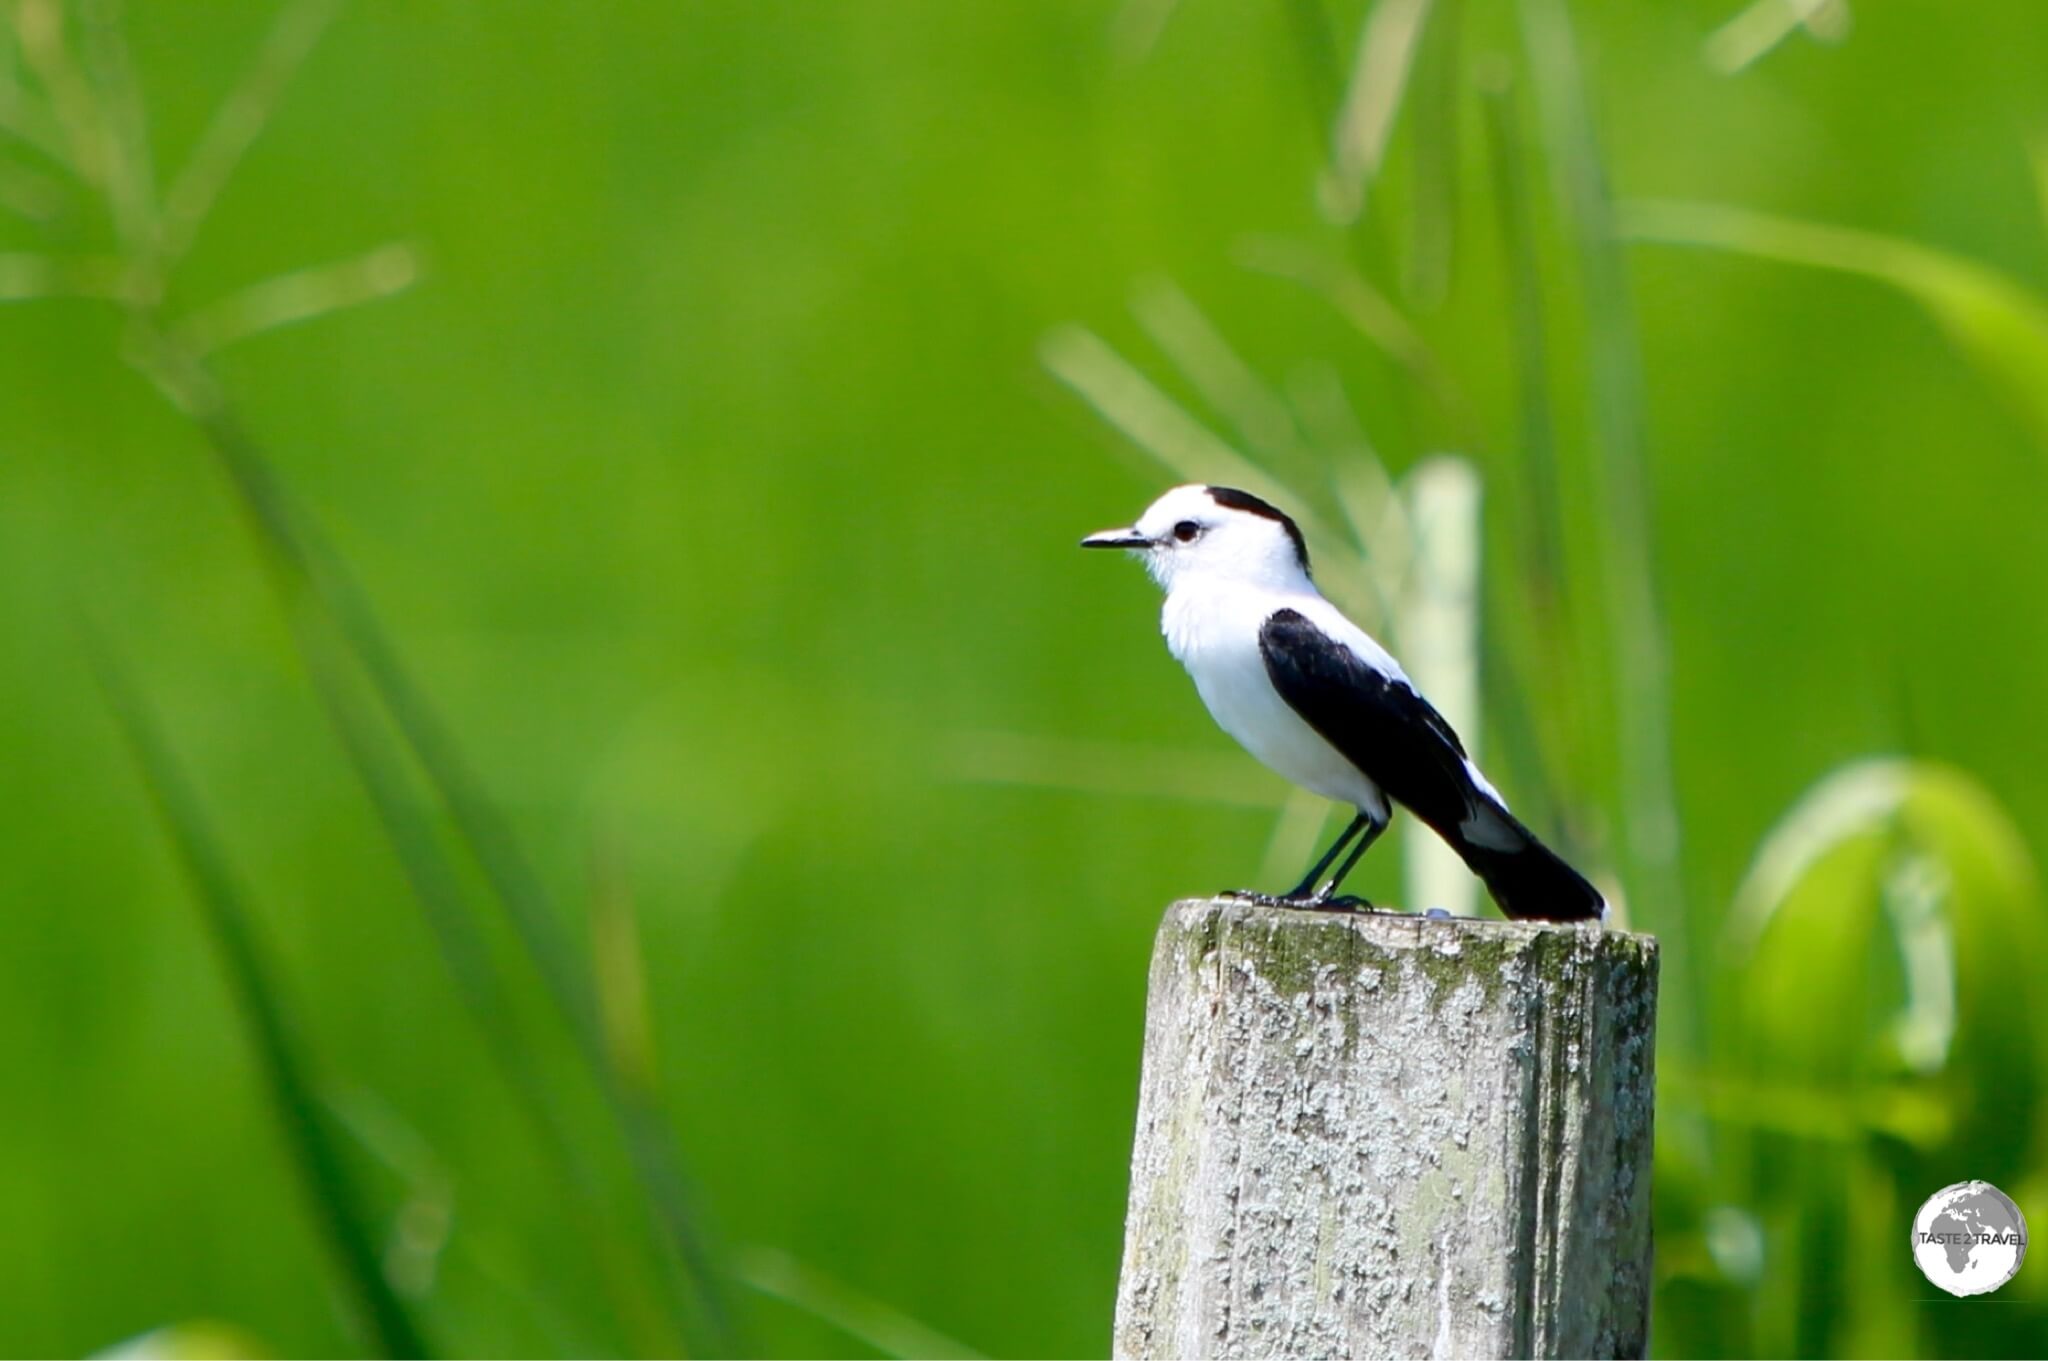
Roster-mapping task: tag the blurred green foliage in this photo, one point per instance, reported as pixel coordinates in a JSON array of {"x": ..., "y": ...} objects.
[{"x": 670, "y": 590}]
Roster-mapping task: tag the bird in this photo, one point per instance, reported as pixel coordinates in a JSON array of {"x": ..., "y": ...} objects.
[{"x": 1318, "y": 700}]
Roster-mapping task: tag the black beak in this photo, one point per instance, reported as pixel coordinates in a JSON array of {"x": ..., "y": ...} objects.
[{"x": 1117, "y": 538}]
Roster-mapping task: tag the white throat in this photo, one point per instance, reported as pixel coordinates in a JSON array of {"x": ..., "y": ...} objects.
[{"x": 1209, "y": 610}]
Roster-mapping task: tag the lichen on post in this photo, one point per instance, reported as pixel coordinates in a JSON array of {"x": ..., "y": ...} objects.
[{"x": 1365, "y": 1135}]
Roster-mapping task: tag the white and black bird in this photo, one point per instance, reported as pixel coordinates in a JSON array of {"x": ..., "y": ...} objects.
[{"x": 1313, "y": 696}]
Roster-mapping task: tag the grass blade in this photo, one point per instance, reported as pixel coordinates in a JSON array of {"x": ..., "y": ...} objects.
[
  {"x": 432, "y": 879},
  {"x": 437, "y": 890},
  {"x": 425, "y": 1219},
  {"x": 1997, "y": 323},
  {"x": 302, "y": 295},
  {"x": 1135, "y": 30},
  {"x": 1321, "y": 63},
  {"x": 650, "y": 1142},
  {"x": 1151, "y": 420},
  {"x": 1648, "y": 800},
  {"x": 1365, "y": 494},
  {"x": 1543, "y": 558},
  {"x": 1433, "y": 231},
  {"x": 100, "y": 112},
  {"x": 34, "y": 278},
  {"x": 2037, "y": 163},
  {"x": 887, "y": 1329},
  {"x": 1365, "y": 122},
  {"x": 1756, "y": 31},
  {"x": 1119, "y": 769},
  {"x": 1556, "y": 733},
  {"x": 1846, "y": 1115},
  {"x": 303, "y": 557},
  {"x": 73, "y": 110},
  {"x": 619, "y": 967},
  {"x": 25, "y": 119},
  {"x": 1155, "y": 423},
  {"x": 1295, "y": 837},
  {"x": 1375, "y": 317},
  {"x": 240, "y": 119},
  {"x": 1262, "y": 421},
  {"x": 331, "y": 1194},
  {"x": 130, "y": 174}
]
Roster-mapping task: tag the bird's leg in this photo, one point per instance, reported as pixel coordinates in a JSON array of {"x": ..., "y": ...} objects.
[
  {"x": 1299, "y": 894},
  {"x": 1326, "y": 895},
  {"x": 1308, "y": 881}
]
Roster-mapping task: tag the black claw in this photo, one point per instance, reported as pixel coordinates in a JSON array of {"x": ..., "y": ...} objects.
[
  {"x": 1327, "y": 902},
  {"x": 1297, "y": 901}
]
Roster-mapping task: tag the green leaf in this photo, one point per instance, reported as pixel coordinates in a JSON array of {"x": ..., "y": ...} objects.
[
  {"x": 1889, "y": 928},
  {"x": 305, "y": 559},
  {"x": 200, "y": 1339},
  {"x": 332, "y": 1195},
  {"x": 1387, "y": 47},
  {"x": 1997, "y": 323}
]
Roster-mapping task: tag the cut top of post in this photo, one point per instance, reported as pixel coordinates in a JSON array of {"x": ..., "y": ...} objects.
[{"x": 1372, "y": 1134}]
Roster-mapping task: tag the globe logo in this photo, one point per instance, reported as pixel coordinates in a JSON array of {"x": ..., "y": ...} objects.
[{"x": 1969, "y": 1238}]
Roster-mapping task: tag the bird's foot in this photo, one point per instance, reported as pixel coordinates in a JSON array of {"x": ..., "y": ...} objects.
[
  {"x": 1300, "y": 902},
  {"x": 1258, "y": 899},
  {"x": 1328, "y": 902}
]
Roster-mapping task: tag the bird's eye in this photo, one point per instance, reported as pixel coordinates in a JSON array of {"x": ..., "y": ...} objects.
[{"x": 1186, "y": 531}]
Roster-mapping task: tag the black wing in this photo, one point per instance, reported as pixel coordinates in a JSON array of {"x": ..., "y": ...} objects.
[
  {"x": 1377, "y": 721},
  {"x": 1404, "y": 746}
]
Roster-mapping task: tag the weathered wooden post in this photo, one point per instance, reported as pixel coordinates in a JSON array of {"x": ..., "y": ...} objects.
[{"x": 1366, "y": 1135}]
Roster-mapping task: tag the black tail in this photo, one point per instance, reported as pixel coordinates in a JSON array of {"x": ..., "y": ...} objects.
[{"x": 1527, "y": 878}]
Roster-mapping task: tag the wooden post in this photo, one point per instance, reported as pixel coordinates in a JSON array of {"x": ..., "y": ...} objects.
[{"x": 1366, "y": 1135}]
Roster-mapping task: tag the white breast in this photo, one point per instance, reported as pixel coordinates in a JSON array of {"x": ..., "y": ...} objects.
[{"x": 1214, "y": 632}]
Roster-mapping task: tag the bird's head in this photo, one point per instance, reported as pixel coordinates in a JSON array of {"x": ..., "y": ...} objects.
[{"x": 1218, "y": 533}]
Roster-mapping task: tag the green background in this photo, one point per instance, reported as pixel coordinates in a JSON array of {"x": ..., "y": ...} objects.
[{"x": 712, "y": 486}]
